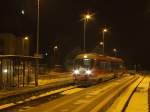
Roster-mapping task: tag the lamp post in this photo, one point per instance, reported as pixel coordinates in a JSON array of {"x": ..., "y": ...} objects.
[
  {"x": 115, "y": 51},
  {"x": 86, "y": 18},
  {"x": 37, "y": 43},
  {"x": 26, "y": 45},
  {"x": 55, "y": 55},
  {"x": 101, "y": 47},
  {"x": 38, "y": 22},
  {"x": 103, "y": 36},
  {"x": 22, "y": 12}
]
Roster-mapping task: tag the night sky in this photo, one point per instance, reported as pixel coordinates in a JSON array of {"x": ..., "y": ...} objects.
[{"x": 60, "y": 24}]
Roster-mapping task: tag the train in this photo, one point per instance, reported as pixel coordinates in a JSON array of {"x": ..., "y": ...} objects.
[{"x": 90, "y": 68}]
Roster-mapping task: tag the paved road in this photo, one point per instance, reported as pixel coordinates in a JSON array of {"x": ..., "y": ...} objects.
[{"x": 78, "y": 99}]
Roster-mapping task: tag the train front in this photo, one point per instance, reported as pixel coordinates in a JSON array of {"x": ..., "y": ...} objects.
[{"x": 82, "y": 72}]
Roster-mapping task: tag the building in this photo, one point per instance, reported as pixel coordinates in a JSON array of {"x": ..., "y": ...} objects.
[{"x": 12, "y": 45}]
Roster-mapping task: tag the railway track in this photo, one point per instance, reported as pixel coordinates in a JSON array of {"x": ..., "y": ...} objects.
[
  {"x": 50, "y": 95},
  {"x": 94, "y": 99},
  {"x": 16, "y": 99}
]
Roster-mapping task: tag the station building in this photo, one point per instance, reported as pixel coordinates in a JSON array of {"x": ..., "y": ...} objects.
[{"x": 17, "y": 68}]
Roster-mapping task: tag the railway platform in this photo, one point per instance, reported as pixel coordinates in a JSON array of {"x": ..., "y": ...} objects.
[
  {"x": 139, "y": 101},
  {"x": 135, "y": 98},
  {"x": 55, "y": 79}
]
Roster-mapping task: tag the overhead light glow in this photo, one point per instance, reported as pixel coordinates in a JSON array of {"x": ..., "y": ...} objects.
[
  {"x": 56, "y": 47},
  {"x": 26, "y": 38},
  {"x": 105, "y": 30},
  {"x": 101, "y": 43},
  {"x": 46, "y": 54},
  {"x": 22, "y": 12},
  {"x": 115, "y": 50},
  {"x": 5, "y": 70},
  {"x": 85, "y": 56}
]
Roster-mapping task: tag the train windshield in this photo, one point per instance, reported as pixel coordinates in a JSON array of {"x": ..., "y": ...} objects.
[{"x": 83, "y": 63}]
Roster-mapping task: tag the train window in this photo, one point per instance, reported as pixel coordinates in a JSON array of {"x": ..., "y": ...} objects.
[
  {"x": 108, "y": 66},
  {"x": 103, "y": 65},
  {"x": 100, "y": 65},
  {"x": 84, "y": 63},
  {"x": 116, "y": 66}
]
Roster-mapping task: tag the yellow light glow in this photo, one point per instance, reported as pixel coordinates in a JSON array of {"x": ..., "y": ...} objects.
[
  {"x": 5, "y": 71},
  {"x": 115, "y": 50},
  {"x": 26, "y": 38},
  {"x": 22, "y": 12},
  {"x": 105, "y": 30},
  {"x": 88, "y": 16},
  {"x": 85, "y": 56},
  {"x": 101, "y": 43},
  {"x": 56, "y": 47}
]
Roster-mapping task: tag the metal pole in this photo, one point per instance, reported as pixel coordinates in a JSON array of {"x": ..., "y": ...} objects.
[
  {"x": 103, "y": 34},
  {"x": 28, "y": 80},
  {"x": 115, "y": 53},
  {"x": 13, "y": 69},
  {"x": 10, "y": 73},
  {"x": 84, "y": 34},
  {"x": 1, "y": 75},
  {"x": 38, "y": 22},
  {"x": 23, "y": 73},
  {"x": 7, "y": 81},
  {"x": 18, "y": 70},
  {"x": 37, "y": 47},
  {"x": 54, "y": 58}
]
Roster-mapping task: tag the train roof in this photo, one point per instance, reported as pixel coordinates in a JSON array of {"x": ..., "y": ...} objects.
[{"x": 98, "y": 57}]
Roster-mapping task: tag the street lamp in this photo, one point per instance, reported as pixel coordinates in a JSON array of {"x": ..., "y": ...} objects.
[
  {"x": 26, "y": 45},
  {"x": 55, "y": 55},
  {"x": 38, "y": 22},
  {"x": 22, "y": 12},
  {"x": 85, "y": 18},
  {"x": 103, "y": 36},
  {"x": 115, "y": 51},
  {"x": 26, "y": 38},
  {"x": 101, "y": 43},
  {"x": 37, "y": 42},
  {"x": 55, "y": 47}
]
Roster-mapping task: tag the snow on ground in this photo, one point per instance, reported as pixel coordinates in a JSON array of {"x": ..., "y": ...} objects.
[{"x": 139, "y": 100}]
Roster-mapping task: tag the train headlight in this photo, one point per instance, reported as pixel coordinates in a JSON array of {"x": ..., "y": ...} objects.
[
  {"x": 76, "y": 72},
  {"x": 88, "y": 72}
]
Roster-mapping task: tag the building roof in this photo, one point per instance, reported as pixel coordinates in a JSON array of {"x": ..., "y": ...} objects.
[{"x": 19, "y": 56}]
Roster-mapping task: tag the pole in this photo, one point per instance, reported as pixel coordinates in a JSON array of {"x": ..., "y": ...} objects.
[
  {"x": 23, "y": 72},
  {"x": 38, "y": 22},
  {"x": 1, "y": 75},
  {"x": 103, "y": 34},
  {"x": 37, "y": 47},
  {"x": 84, "y": 49},
  {"x": 23, "y": 48},
  {"x": 54, "y": 58},
  {"x": 115, "y": 53}
]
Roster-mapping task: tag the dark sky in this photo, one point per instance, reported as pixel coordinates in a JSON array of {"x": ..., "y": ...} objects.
[{"x": 128, "y": 22}]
